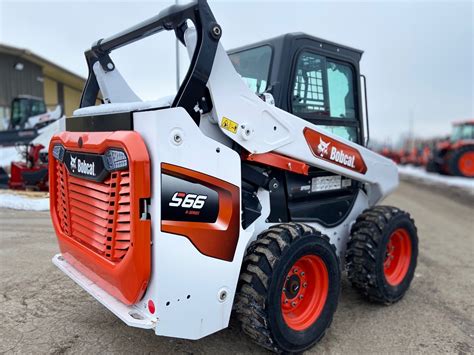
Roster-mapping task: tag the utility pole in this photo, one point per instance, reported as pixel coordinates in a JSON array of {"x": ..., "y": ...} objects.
[{"x": 178, "y": 81}]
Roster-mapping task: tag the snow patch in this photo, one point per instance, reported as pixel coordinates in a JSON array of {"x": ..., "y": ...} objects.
[
  {"x": 9, "y": 154},
  {"x": 23, "y": 202},
  {"x": 124, "y": 107},
  {"x": 434, "y": 178}
]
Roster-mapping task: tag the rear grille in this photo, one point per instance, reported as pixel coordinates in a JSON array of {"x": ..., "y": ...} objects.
[{"x": 95, "y": 214}]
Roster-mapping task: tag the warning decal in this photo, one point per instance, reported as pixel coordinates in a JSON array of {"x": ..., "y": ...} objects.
[{"x": 229, "y": 125}]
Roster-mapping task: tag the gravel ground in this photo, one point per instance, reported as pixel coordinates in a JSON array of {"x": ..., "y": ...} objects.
[{"x": 42, "y": 311}]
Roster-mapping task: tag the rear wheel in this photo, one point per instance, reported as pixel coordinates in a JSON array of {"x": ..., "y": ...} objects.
[
  {"x": 289, "y": 288},
  {"x": 382, "y": 253},
  {"x": 461, "y": 162}
]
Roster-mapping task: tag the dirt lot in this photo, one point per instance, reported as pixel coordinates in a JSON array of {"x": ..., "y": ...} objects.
[{"x": 42, "y": 311}]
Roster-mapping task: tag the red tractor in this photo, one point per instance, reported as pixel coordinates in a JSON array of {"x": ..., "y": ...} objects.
[
  {"x": 32, "y": 173},
  {"x": 391, "y": 154},
  {"x": 455, "y": 156}
]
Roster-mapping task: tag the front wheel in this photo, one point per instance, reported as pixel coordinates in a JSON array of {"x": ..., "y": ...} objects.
[
  {"x": 381, "y": 254},
  {"x": 289, "y": 288}
]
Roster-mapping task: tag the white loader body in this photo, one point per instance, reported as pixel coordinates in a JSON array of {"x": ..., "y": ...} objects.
[{"x": 193, "y": 293}]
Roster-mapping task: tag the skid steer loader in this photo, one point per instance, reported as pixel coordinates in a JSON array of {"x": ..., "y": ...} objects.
[{"x": 249, "y": 191}]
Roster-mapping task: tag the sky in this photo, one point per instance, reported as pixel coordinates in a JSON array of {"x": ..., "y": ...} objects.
[{"x": 418, "y": 55}]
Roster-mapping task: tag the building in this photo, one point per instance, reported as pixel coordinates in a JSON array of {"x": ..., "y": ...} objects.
[{"x": 25, "y": 73}]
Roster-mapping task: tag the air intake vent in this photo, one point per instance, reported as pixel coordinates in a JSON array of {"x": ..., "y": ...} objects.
[{"x": 97, "y": 215}]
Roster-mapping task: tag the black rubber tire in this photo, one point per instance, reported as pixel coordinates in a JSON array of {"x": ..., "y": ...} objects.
[
  {"x": 432, "y": 167},
  {"x": 453, "y": 162},
  {"x": 366, "y": 251},
  {"x": 264, "y": 271}
]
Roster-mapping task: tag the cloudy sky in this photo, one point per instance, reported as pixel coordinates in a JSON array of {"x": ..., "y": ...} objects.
[{"x": 419, "y": 55}]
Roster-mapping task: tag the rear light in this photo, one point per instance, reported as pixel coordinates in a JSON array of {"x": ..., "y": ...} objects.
[
  {"x": 58, "y": 152},
  {"x": 151, "y": 306},
  {"x": 115, "y": 160}
]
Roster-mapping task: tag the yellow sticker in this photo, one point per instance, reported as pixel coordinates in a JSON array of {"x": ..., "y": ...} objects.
[{"x": 229, "y": 125}]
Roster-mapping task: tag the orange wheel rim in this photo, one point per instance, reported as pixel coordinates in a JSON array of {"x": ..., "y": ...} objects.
[
  {"x": 304, "y": 292},
  {"x": 466, "y": 164},
  {"x": 397, "y": 257}
]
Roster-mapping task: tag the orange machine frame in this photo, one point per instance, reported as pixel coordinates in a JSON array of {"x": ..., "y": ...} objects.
[{"x": 125, "y": 279}]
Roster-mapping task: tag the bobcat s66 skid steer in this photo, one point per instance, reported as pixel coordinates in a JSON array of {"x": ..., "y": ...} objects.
[{"x": 249, "y": 191}]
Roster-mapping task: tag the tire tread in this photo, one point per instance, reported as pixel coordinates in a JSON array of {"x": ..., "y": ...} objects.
[{"x": 361, "y": 258}]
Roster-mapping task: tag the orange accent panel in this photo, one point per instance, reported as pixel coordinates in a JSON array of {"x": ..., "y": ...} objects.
[
  {"x": 218, "y": 239},
  {"x": 98, "y": 224},
  {"x": 279, "y": 161},
  {"x": 334, "y": 151}
]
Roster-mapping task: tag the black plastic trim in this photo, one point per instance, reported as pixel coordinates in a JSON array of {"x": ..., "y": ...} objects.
[
  {"x": 193, "y": 87},
  {"x": 101, "y": 123}
]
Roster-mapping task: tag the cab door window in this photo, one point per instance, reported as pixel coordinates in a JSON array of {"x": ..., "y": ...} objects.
[
  {"x": 309, "y": 92},
  {"x": 323, "y": 93},
  {"x": 341, "y": 92}
]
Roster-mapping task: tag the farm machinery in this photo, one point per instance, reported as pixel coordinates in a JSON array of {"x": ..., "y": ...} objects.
[
  {"x": 29, "y": 174},
  {"x": 248, "y": 192},
  {"x": 455, "y": 155},
  {"x": 28, "y": 118}
]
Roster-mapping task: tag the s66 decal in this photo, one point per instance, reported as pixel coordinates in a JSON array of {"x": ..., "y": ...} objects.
[
  {"x": 202, "y": 208},
  {"x": 184, "y": 200},
  {"x": 329, "y": 149}
]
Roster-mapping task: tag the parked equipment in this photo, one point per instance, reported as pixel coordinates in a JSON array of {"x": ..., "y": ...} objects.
[
  {"x": 30, "y": 174},
  {"x": 254, "y": 207},
  {"x": 455, "y": 156},
  {"x": 28, "y": 116}
]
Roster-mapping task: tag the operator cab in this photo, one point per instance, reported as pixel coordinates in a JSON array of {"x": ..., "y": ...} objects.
[
  {"x": 318, "y": 81},
  {"x": 309, "y": 77},
  {"x": 24, "y": 107},
  {"x": 462, "y": 131}
]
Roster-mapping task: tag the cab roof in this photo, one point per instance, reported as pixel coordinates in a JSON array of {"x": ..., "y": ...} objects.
[
  {"x": 468, "y": 122},
  {"x": 288, "y": 38}
]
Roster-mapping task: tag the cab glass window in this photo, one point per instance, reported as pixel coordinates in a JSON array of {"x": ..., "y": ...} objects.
[
  {"x": 460, "y": 132},
  {"x": 37, "y": 108},
  {"x": 309, "y": 93},
  {"x": 323, "y": 93},
  {"x": 341, "y": 92},
  {"x": 346, "y": 132},
  {"x": 253, "y": 65},
  {"x": 20, "y": 111}
]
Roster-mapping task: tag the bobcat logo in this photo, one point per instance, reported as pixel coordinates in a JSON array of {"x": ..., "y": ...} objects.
[
  {"x": 323, "y": 147},
  {"x": 73, "y": 163}
]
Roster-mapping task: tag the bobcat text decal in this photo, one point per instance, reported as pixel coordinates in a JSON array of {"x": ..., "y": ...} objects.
[
  {"x": 334, "y": 151},
  {"x": 82, "y": 166}
]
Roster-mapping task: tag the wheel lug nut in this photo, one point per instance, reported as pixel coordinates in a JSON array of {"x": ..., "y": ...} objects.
[
  {"x": 301, "y": 297},
  {"x": 305, "y": 284},
  {"x": 293, "y": 304},
  {"x": 295, "y": 271},
  {"x": 302, "y": 273},
  {"x": 286, "y": 301}
]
